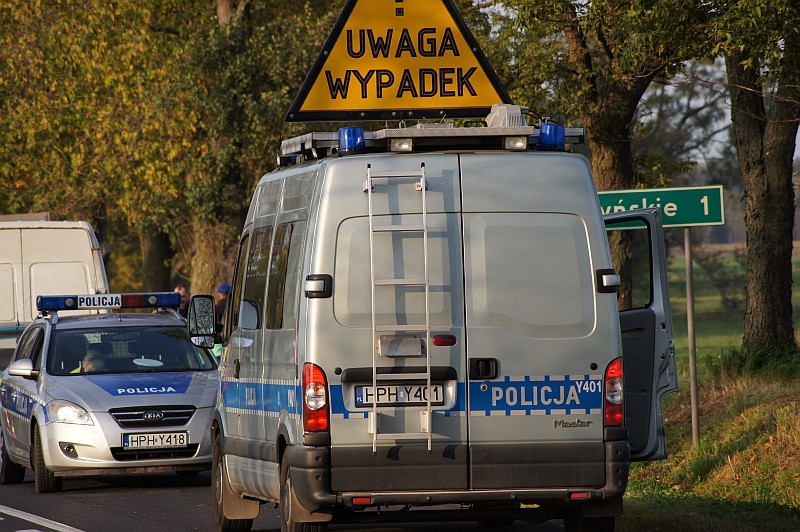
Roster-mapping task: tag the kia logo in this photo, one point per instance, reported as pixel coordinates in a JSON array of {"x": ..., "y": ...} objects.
[{"x": 153, "y": 415}]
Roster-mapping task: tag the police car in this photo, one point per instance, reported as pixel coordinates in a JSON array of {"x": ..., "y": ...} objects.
[{"x": 106, "y": 393}]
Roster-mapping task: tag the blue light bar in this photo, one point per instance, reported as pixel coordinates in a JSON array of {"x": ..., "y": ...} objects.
[
  {"x": 108, "y": 301},
  {"x": 551, "y": 137},
  {"x": 351, "y": 139},
  {"x": 57, "y": 303}
]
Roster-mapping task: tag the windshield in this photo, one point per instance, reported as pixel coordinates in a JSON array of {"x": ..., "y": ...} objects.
[{"x": 125, "y": 350}]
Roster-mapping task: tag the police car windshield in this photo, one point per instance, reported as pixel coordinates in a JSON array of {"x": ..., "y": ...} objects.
[{"x": 125, "y": 350}]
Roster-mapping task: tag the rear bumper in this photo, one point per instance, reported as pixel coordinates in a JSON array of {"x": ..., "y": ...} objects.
[{"x": 311, "y": 477}]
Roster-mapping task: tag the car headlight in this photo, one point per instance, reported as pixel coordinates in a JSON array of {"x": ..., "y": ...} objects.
[{"x": 66, "y": 412}]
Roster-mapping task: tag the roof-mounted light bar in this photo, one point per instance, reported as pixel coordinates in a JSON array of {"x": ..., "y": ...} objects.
[
  {"x": 506, "y": 130},
  {"x": 108, "y": 301}
]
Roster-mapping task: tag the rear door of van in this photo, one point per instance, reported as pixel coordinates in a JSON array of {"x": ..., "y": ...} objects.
[
  {"x": 646, "y": 321},
  {"x": 60, "y": 260},
  {"x": 539, "y": 334},
  {"x": 11, "y": 300},
  {"x": 343, "y": 346}
]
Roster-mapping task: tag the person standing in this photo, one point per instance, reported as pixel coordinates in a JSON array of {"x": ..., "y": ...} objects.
[
  {"x": 183, "y": 310},
  {"x": 223, "y": 290}
]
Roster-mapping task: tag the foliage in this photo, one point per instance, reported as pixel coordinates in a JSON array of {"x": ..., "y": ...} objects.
[
  {"x": 681, "y": 124},
  {"x": 147, "y": 117},
  {"x": 619, "y": 44},
  {"x": 725, "y": 269}
]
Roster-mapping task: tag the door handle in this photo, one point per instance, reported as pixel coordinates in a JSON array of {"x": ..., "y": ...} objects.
[{"x": 483, "y": 368}]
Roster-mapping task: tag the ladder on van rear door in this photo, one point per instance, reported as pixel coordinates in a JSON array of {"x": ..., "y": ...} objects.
[{"x": 415, "y": 178}]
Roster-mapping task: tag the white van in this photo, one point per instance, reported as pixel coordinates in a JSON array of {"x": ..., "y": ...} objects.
[
  {"x": 424, "y": 325},
  {"x": 43, "y": 258}
]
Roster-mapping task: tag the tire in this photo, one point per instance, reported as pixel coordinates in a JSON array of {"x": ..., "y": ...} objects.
[
  {"x": 10, "y": 472},
  {"x": 285, "y": 505},
  {"x": 222, "y": 523},
  {"x": 44, "y": 480},
  {"x": 589, "y": 524}
]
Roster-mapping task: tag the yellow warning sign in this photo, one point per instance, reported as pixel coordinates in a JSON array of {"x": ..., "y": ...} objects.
[{"x": 398, "y": 59}]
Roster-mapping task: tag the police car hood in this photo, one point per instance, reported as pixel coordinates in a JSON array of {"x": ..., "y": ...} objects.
[{"x": 105, "y": 391}]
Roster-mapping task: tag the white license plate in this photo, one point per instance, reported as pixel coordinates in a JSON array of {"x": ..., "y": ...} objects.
[
  {"x": 399, "y": 395},
  {"x": 155, "y": 440}
]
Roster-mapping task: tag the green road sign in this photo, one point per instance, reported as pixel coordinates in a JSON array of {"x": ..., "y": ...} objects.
[{"x": 680, "y": 206}]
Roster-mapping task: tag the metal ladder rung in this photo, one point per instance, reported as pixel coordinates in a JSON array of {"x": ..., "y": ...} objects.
[
  {"x": 401, "y": 328},
  {"x": 398, "y": 228},
  {"x": 401, "y": 377},
  {"x": 401, "y": 436},
  {"x": 397, "y": 173},
  {"x": 400, "y": 282}
]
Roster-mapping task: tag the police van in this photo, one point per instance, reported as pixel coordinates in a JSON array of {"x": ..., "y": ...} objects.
[{"x": 424, "y": 324}]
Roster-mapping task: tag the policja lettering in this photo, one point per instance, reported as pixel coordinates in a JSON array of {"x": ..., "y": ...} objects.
[
  {"x": 146, "y": 390},
  {"x": 535, "y": 395},
  {"x": 423, "y": 82},
  {"x": 100, "y": 300}
]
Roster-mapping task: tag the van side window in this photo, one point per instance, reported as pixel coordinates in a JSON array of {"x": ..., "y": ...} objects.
[
  {"x": 236, "y": 296},
  {"x": 255, "y": 279},
  {"x": 293, "y": 274},
  {"x": 277, "y": 276},
  {"x": 284, "y": 275}
]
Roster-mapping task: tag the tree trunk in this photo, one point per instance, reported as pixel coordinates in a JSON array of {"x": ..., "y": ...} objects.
[
  {"x": 208, "y": 261},
  {"x": 765, "y": 146},
  {"x": 156, "y": 254},
  {"x": 612, "y": 166}
]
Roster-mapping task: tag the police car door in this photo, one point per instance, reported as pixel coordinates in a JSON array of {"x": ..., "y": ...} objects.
[
  {"x": 20, "y": 393},
  {"x": 646, "y": 322}
]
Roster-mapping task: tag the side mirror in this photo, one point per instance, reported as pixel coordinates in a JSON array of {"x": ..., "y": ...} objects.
[
  {"x": 200, "y": 321},
  {"x": 23, "y": 368}
]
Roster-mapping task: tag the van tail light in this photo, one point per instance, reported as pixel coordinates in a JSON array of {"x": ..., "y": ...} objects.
[
  {"x": 613, "y": 404},
  {"x": 316, "y": 414}
]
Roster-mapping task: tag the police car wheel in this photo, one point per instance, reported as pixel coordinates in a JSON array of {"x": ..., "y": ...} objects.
[
  {"x": 44, "y": 480},
  {"x": 222, "y": 523},
  {"x": 285, "y": 505},
  {"x": 10, "y": 472}
]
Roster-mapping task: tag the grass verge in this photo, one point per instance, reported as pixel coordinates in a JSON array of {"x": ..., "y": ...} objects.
[{"x": 743, "y": 475}]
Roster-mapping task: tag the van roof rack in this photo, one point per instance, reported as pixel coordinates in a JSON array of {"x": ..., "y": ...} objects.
[{"x": 506, "y": 129}]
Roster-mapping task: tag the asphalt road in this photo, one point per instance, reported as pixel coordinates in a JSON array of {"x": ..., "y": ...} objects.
[{"x": 162, "y": 503}]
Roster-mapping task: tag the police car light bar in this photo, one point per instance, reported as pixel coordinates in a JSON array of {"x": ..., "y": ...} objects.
[{"x": 108, "y": 301}]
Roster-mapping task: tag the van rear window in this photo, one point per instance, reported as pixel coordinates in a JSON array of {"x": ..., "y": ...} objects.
[{"x": 529, "y": 273}]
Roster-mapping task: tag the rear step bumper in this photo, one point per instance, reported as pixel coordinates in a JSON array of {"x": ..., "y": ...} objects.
[{"x": 310, "y": 467}]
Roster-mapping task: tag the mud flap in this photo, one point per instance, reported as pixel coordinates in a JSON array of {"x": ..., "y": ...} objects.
[
  {"x": 301, "y": 514},
  {"x": 233, "y": 506}
]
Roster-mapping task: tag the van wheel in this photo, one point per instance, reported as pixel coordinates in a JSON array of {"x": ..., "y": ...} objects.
[
  {"x": 44, "y": 479},
  {"x": 589, "y": 524},
  {"x": 222, "y": 523},
  {"x": 10, "y": 472},
  {"x": 285, "y": 505}
]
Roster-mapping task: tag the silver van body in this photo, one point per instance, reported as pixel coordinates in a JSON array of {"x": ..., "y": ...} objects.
[
  {"x": 43, "y": 258},
  {"x": 436, "y": 328}
]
